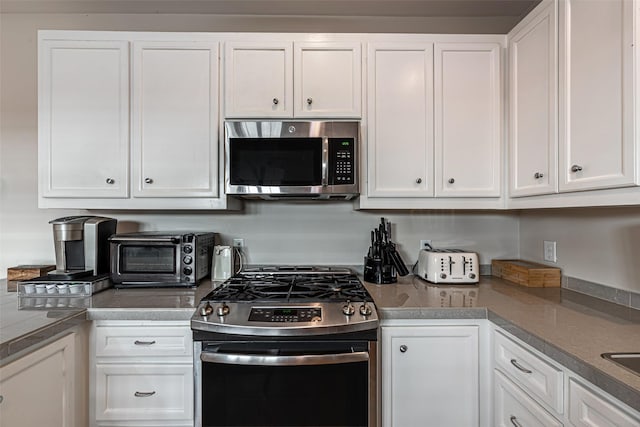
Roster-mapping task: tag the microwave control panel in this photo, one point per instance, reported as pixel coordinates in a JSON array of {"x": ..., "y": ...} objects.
[{"x": 342, "y": 161}]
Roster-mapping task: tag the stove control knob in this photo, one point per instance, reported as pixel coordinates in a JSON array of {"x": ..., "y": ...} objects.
[
  {"x": 348, "y": 309},
  {"x": 365, "y": 310},
  {"x": 206, "y": 309},
  {"x": 223, "y": 309}
]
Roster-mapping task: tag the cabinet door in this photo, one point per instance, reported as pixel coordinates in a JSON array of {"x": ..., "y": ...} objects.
[
  {"x": 468, "y": 120},
  {"x": 533, "y": 69},
  {"x": 400, "y": 111},
  {"x": 327, "y": 80},
  {"x": 38, "y": 389},
  {"x": 83, "y": 115},
  {"x": 430, "y": 376},
  {"x": 175, "y": 116},
  {"x": 596, "y": 94},
  {"x": 589, "y": 408},
  {"x": 258, "y": 80}
]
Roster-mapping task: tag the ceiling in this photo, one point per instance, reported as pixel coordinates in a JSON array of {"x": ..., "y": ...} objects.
[{"x": 506, "y": 12}]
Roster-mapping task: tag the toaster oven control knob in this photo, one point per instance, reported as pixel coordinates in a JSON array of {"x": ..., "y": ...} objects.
[
  {"x": 223, "y": 309},
  {"x": 365, "y": 310},
  {"x": 472, "y": 275},
  {"x": 187, "y": 260},
  {"x": 187, "y": 249},
  {"x": 206, "y": 309},
  {"x": 187, "y": 271},
  {"x": 348, "y": 309},
  {"x": 443, "y": 276}
]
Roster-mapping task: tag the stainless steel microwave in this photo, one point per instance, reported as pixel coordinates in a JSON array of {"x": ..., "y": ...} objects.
[
  {"x": 155, "y": 259},
  {"x": 292, "y": 159}
]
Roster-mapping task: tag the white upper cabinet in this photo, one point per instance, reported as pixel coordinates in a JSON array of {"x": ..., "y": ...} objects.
[
  {"x": 596, "y": 94},
  {"x": 258, "y": 79},
  {"x": 283, "y": 79},
  {"x": 175, "y": 119},
  {"x": 83, "y": 118},
  {"x": 533, "y": 101},
  {"x": 400, "y": 114},
  {"x": 327, "y": 80},
  {"x": 468, "y": 120}
]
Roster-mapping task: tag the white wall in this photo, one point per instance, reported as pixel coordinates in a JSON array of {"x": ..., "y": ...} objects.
[
  {"x": 601, "y": 245},
  {"x": 325, "y": 233}
]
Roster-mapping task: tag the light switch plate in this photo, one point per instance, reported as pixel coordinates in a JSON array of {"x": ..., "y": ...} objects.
[{"x": 550, "y": 251}]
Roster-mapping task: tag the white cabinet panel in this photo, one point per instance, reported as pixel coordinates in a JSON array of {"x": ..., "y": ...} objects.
[
  {"x": 533, "y": 111},
  {"x": 589, "y": 408},
  {"x": 175, "y": 119},
  {"x": 468, "y": 120},
  {"x": 83, "y": 118},
  {"x": 400, "y": 113},
  {"x": 596, "y": 96},
  {"x": 430, "y": 376},
  {"x": 258, "y": 79},
  {"x": 133, "y": 341},
  {"x": 38, "y": 389},
  {"x": 513, "y": 407},
  {"x": 327, "y": 79}
]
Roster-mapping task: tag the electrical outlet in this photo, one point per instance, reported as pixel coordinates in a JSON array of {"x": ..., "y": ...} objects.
[
  {"x": 425, "y": 244},
  {"x": 238, "y": 243},
  {"x": 550, "y": 251}
]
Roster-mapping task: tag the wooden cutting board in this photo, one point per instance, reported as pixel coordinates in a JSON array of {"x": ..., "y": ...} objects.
[
  {"x": 24, "y": 272},
  {"x": 526, "y": 273}
]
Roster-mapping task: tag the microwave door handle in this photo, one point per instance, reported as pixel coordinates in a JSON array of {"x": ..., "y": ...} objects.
[
  {"x": 307, "y": 360},
  {"x": 147, "y": 239},
  {"x": 325, "y": 161}
]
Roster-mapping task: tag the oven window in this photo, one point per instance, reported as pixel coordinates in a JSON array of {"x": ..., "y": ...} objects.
[
  {"x": 303, "y": 395},
  {"x": 147, "y": 259},
  {"x": 275, "y": 162}
]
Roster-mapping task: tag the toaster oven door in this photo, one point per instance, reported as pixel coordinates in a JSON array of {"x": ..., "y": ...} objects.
[{"x": 145, "y": 262}]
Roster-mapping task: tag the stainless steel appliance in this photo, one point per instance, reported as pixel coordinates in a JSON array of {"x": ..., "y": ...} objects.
[
  {"x": 448, "y": 266},
  {"x": 286, "y": 346},
  {"x": 292, "y": 159},
  {"x": 81, "y": 246},
  {"x": 156, "y": 258}
]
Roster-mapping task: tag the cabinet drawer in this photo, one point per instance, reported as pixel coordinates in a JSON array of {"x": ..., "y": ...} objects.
[
  {"x": 590, "y": 409},
  {"x": 535, "y": 375},
  {"x": 126, "y": 341},
  {"x": 513, "y": 407},
  {"x": 144, "y": 392}
]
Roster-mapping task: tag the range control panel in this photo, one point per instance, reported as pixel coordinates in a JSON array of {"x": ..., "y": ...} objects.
[{"x": 285, "y": 314}]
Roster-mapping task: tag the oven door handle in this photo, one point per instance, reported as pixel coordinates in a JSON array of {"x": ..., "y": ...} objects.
[{"x": 261, "y": 360}]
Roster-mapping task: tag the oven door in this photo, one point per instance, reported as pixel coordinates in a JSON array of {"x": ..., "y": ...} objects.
[
  {"x": 313, "y": 383},
  {"x": 145, "y": 261}
]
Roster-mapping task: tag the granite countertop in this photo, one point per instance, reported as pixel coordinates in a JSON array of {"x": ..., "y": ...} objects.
[{"x": 569, "y": 327}]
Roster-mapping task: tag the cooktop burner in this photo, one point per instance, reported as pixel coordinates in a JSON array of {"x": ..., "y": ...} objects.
[{"x": 285, "y": 284}]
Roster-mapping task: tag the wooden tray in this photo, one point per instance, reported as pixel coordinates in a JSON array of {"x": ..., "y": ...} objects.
[
  {"x": 24, "y": 272},
  {"x": 526, "y": 273}
]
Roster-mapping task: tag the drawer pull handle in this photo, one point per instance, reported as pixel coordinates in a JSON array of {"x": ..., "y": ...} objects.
[
  {"x": 136, "y": 342},
  {"x": 515, "y": 363},
  {"x": 144, "y": 393},
  {"x": 514, "y": 421}
]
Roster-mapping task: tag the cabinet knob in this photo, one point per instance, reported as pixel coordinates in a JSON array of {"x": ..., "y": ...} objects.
[
  {"x": 451, "y": 181},
  {"x": 514, "y": 421},
  {"x": 110, "y": 181},
  {"x": 309, "y": 101},
  {"x": 275, "y": 101},
  {"x": 148, "y": 181},
  {"x": 418, "y": 180},
  {"x": 576, "y": 168},
  {"x": 538, "y": 175},
  {"x": 403, "y": 348}
]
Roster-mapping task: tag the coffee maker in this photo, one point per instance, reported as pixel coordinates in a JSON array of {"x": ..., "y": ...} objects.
[{"x": 81, "y": 246}]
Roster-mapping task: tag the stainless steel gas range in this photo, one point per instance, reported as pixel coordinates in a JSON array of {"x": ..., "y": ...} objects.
[{"x": 286, "y": 346}]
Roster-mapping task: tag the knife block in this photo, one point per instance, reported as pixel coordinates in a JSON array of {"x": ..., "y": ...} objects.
[{"x": 375, "y": 271}]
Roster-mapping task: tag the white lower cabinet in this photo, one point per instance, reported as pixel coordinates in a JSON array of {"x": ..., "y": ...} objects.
[
  {"x": 46, "y": 387},
  {"x": 529, "y": 389},
  {"x": 142, "y": 374},
  {"x": 430, "y": 375}
]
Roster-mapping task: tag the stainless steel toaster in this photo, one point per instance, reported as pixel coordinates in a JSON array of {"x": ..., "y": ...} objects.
[{"x": 448, "y": 266}]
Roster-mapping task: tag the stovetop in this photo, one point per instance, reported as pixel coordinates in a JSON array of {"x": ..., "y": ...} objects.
[{"x": 287, "y": 301}]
